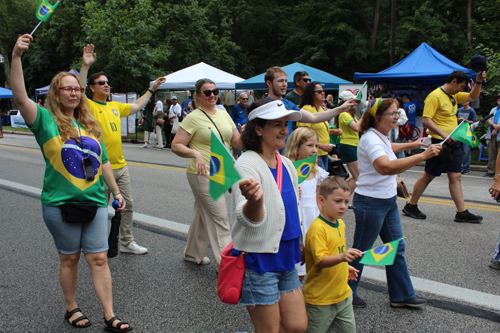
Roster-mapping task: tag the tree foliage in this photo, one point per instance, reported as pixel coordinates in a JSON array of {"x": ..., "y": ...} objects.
[{"x": 138, "y": 40}]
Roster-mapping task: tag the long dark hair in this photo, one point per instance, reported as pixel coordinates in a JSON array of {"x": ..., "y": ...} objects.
[
  {"x": 249, "y": 138},
  {"x": 308, "y": 94}
]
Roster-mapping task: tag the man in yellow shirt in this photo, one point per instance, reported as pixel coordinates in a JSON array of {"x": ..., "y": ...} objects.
[
  {"x": 108, "y": 116},
  {"x": 440, "y": 117}
]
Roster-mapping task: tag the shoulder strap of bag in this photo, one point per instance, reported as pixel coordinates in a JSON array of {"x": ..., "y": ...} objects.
[
  {"x": 220, "y": 135},
  {"x": 399, "y": 175},
  {"x": 279, "y": 172}
]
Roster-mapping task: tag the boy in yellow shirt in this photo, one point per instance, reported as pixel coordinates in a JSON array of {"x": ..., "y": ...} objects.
[{"x": 326, "y": 292}]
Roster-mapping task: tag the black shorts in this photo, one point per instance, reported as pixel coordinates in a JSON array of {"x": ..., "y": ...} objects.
[{"x": 435, "y": 166}]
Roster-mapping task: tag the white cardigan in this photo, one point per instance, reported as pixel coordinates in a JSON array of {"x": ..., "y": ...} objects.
[{"x": 263, "y": 236}]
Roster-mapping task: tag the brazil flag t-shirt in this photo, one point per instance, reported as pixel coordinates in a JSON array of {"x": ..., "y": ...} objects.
[{"x": 64, "y": 179}]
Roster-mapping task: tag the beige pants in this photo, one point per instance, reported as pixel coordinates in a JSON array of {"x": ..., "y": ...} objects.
[
  {"x": 210, "y": 223},
  {"x": 122, "y": 179},
  {"x": 493, "y": 146}
]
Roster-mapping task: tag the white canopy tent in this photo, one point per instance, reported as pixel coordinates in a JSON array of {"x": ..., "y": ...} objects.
[{"x": 187, "y": 77}]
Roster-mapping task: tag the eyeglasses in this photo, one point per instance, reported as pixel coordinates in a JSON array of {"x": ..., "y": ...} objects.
[
  {"x": 306, "y": 80},
  {"x": 69, "y": 90},
  {"x": 394, "y": 114},
  {"x": 101, "y": 83},
  {"x": 209, "y": 92},
  {"x": 319, "y": 91},
  {"x": 453, "y": 100},
  {"x": 244, "y": 99}
]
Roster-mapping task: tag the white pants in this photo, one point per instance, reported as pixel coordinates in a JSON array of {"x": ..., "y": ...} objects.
[
  {"x": 159, "y": 137},
  {"x": 146, "y": 136}
]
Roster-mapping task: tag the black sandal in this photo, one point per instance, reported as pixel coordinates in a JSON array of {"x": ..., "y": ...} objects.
[
  {"x": 68, "y": 315},
  {"x": 118, "y": 328}
]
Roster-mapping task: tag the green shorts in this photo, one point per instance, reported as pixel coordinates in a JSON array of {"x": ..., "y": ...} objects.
[
  {"x": 347, "y": 153},
  {"x": 331, "y": 318}
]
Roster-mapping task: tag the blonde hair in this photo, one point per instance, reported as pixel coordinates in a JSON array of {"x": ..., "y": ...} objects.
[
  {"x": 81, "y": 112},
  {"x": 298, "y": 137}
]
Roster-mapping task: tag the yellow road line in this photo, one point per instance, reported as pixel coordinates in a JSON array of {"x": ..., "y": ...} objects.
[
  {"x": 153, "y": 166},
  {"x": 21, "y": 148},
  {"x": 452, "y": 204}
]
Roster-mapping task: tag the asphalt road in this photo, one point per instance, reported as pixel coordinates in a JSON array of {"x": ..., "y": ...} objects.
[{"x": 159, "y": 292}]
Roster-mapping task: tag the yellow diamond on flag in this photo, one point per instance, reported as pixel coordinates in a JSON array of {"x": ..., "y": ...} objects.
[
  {"x": 380, "y": 252},
  {"x": 217, "y": 168}
]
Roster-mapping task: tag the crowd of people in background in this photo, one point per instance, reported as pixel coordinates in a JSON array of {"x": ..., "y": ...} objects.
[{"x": 279, "y": 224}]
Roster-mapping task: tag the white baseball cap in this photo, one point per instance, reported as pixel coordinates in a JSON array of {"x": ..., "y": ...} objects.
[{"x": 346, "y": 95}]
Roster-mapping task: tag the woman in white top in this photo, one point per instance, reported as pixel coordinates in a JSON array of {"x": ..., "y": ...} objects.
[{"x": 375, "y": 199}]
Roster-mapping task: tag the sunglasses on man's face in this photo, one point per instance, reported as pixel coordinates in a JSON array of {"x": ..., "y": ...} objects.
[
  {"x": 306, "y": 80},
  {"x": 209, "y": 92},
  {"x": 244, "y": 98},
  {"x": 101, "y": 83}
]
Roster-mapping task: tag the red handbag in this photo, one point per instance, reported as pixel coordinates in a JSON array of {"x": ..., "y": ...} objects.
[
  {"x": 405, "y": 131},
  {"x": 231, "y": 273}
]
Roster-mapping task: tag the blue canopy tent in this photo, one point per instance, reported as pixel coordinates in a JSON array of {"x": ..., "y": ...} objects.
[
  {"x": 328, "y": 81},
  {"x": 424, "y": 66},
  {"x": 43, "y": 91},
  {"x": 5, "y": 93}
]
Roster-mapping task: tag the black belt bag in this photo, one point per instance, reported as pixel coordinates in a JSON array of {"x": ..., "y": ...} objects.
[{"x": 79, "y": 212}]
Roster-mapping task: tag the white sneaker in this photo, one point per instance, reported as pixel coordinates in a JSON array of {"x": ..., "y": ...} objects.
[
  {"x": 133, "y": 248},
  {"x": 145, "y": 145},
  {"x": 204, "y": 261}
]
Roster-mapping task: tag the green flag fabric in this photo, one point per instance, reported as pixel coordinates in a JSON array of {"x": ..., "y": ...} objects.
[
  {"x": 222, "y": 171},
  {"x": 360, "y": 93},
  {"x": 382, "y": 255},
  {"x": 304, "y": 167},
  {"x": 465, "y": 134},
  {"x": 45, "y": 10}
]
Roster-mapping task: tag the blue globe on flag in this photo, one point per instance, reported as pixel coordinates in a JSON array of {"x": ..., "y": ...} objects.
[
  {"x": 215, "y": 165},
  {"x": 304, "y": 170},
  {"x": 382, "y": 249}
]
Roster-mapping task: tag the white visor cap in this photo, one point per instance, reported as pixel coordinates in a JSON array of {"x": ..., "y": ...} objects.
[{"x": 274, "y": 110}]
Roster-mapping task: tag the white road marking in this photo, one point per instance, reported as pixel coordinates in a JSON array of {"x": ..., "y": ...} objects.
[{"x": 437, "y": 288}]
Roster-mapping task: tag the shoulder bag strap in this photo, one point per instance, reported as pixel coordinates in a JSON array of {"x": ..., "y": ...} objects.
[
  {"x": 220, "y": 135},
  {"x": 279, "y": 172}
]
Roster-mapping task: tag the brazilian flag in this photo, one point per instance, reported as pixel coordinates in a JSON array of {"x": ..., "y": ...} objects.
[
  {"x": 222, "y": 171},
  {"x": 45, "y": 10},
  {"x": 382, "y": 255},
  {"x": 465, "y": 134},
  {"x": 304, "y": 167}
]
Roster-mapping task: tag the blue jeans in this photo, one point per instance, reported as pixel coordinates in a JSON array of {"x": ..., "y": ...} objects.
[
  {"x": 323, "y": 162},
  {"x": 376, "y": 217},
  {"x": 466, "y": 162},
  {"x": 496, "y": 255}
]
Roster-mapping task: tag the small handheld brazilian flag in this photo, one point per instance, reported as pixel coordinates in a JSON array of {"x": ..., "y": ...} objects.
[
  {"x": 382, "y": 255},
  {"x": 304, "y": 167},
  {"x": 360, "y": 93},
  {"x": 45, "y": 10},
  {"x": 465, "y": 134},
  {"x": 222, "y": 171}
]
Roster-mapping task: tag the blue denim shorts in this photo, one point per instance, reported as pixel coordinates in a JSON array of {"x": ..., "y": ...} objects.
[
  {"x": 265, "y": 289},
  {"x": 70, "y": 238}
]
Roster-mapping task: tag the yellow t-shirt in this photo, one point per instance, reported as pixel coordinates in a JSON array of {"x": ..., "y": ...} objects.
[
  {"x": 321, "y": 129},
  {"x": 325, "y": 286},
  {"x": 439, "y": 107},
  {"x": 108, "y": 116},
  {"x": 198, "y": 125},
  {"x": 349, "y": 136}
]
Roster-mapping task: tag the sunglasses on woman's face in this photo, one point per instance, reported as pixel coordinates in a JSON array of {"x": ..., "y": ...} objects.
[{"x": 209, "y": 92}]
